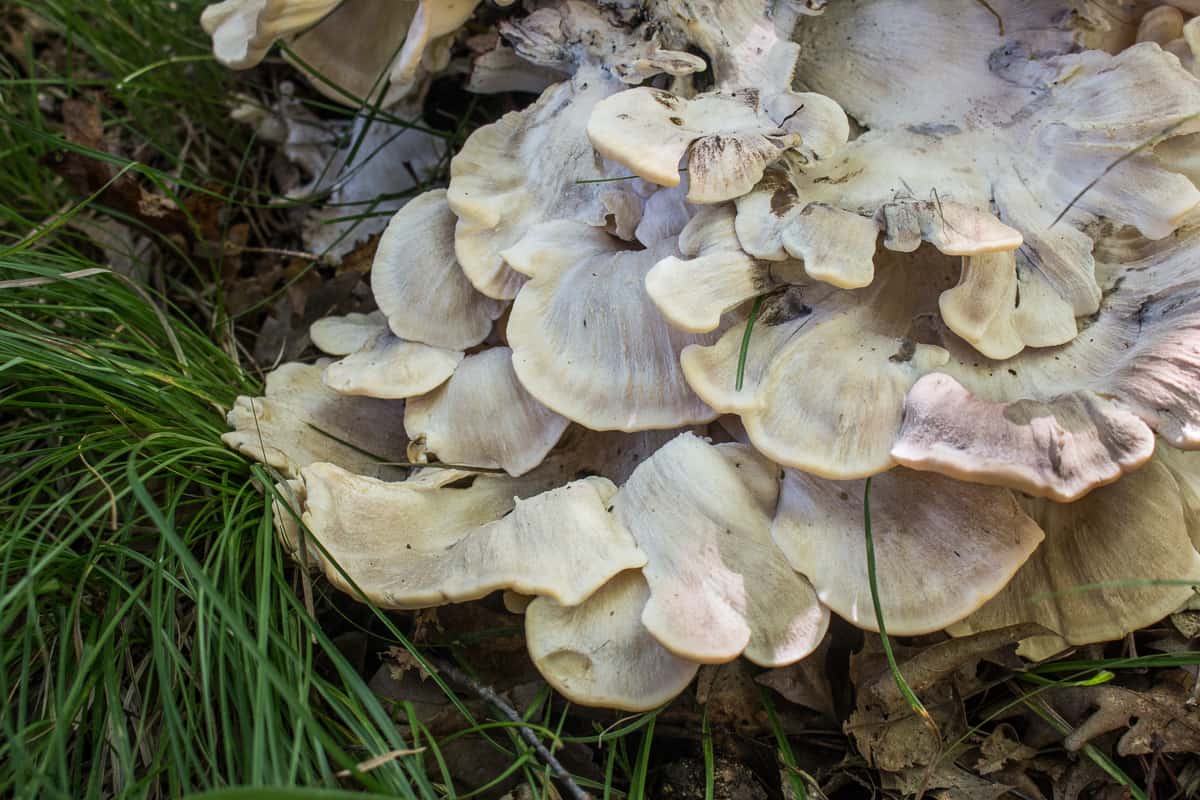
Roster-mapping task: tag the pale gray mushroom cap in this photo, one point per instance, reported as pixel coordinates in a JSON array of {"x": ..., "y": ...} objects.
[
  {"x": 1057, "y": 422},
  {"x": 530, "y": 167},
  {"x": 719, "y": 587},
  {"x": 432, "y": 540},
  {"x": 942, "y": 547},
  {"x": 390, "y": 368},
  {"x": 284, "y": 428},
  {"x": 1025, "y": 127},
  {"x": 482, "y": 417},
  {"x": 729, "y": 138},
  {"x": 600, "y": 654},
  {"x": 1125, "y": 536},
  {"x": 419, "y": 284},
  {"x": 588, "y": 341},
  {"x": 341, "y": 336}
]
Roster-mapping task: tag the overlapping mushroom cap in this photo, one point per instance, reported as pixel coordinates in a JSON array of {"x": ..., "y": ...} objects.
[{"x": 611, "y": 268}]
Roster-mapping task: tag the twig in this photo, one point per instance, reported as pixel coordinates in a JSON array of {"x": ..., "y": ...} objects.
[{"x": 489, "y": 695}]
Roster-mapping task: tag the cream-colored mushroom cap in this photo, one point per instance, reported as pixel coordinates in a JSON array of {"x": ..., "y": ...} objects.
[
  {"x": 1058, "y": 422},
  {"x": 599, "y": 653},
  {"x": 244, "y": 30},
  {"x": 719, "y": 587},
  {"x": 825, "y": 373},
  {"x": 341, "y": 336},
  {"x": 391, "y": 368},
  {"x": 1125, "y": 536},
  {"x": 588, "y": 341},
  {"x": 728, "y": 138},
  {"x": 1026, "y": 125},
  {"x": 284, "y": 428},
  {"x": 943, "y": 548},
  {"x": 482, "y": 417},
  {"x": 714, "y": 276},
  {"x": 530, "y": 167},
  {"x": 418, "y": 283},
  {"x": 423, "y": 542}
]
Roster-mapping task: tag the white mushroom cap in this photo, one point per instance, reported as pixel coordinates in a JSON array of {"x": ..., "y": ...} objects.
[
  {"x": 1134, "y": 530},
  {"x": 283, "y": 429},
  {"x": 599, "y": 653},
  {"x": 433, "y": 19},
  {"x": 718, "y": 585},
  {"x": 418, "y": 283},
  {"x": 483, "y": 417},
  {"x": 530, "y": 167},
  {"x": 727, "y": 136},
  {"x": 693, "y": 293},
  {"x": 391, "y": 368},
  {"x": 588, "y": 341},
  {"x": 244, "y": 30},
  {"x": 422, "y": 542},
  {"x": 341, "y": 336},
  {"x": 943, "y": 548}
]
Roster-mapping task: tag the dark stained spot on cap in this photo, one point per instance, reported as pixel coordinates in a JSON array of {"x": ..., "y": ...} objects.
[
  {"x": 908, "y": 348},
  {"x": 783, "y": 307}
]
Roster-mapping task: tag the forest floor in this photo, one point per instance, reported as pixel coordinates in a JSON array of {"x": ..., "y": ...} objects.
[{"x": 157, "y": 641}]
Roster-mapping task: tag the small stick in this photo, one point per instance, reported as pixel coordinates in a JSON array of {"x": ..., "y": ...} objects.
[{"x": 490, "y": 696}]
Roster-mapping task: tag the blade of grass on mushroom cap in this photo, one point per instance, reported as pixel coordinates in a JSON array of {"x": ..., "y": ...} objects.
[
  {"x": 905, "y": 690},
  {"x": 745, "y": 348},
  {"x": 1131, "y": 583},
  {"x": 385, "y": 463}
]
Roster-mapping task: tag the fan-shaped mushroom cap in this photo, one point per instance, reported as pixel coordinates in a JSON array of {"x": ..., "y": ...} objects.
[
  {"x": 693, "y": 293},
  {"x": 244, "y": 30},
  {"x": 599, "y": 653},
  {"x": 530, "y": 167},
  {"x": 284, "y": 428},
  {"x": 943, "y": 548},
  {"x": 391, "y": 368},
  {"x": 728, "y": 137},
  {"x": 483, "y": 417},
  {"x": 422, "y": 542},
  {"x": 718, "y": 585},
  {"x": 418, "y": 283},
  {"x": 825, "y": 375},
  {"x": 1135, "y": 530},
  {"x": 341, "y": 336},
  {"x": 587, "y": 340},
  {"x": 1014, "y": 142},
  {"x": 1057, "y": 422}
]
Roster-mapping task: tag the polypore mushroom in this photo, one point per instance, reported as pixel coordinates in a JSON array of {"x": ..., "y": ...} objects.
[
  {"x": 718, "y": 586},
  {"x": 390, "y": 368},
  {"x": 943, "y": 548},
  {"x": 425, "y": 541},
  {"x": 301, "y": 422},
  {"x": 244, "y": 30},
  {"x": 587, "y": 340},
  {"x": 341, "y": 336},
  {"x": 1131, "y": 538},
  {"x": 530, "y": 167},
  {"x": 599, "y": 653},
  {"x": 715, "y": 276},
  {"x": 1058, "y": 422},
  {"x": 1017, "y": 137},
  {"x": 482, "y": 416},
  {"x": 728, "y": 137},
  {"x": 422, "y": 289}
]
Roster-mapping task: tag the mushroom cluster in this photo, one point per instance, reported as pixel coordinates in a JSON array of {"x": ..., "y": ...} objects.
[{"x": 635, "y": 364}]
